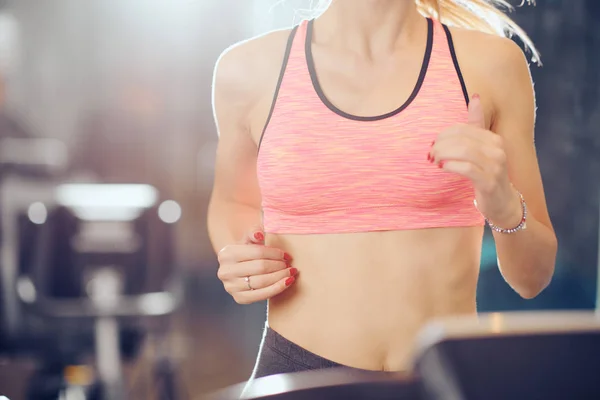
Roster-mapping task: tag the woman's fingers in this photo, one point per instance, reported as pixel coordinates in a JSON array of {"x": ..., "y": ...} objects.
[
  {"x": 232, "y": 272},
  {"x": 255, "y": 236},
  {"x": 252, "y": 296},
  {"x": 246, "y": 252},
  {"x": 257, "y": 282},
  {"x": 253, "y": 272}
]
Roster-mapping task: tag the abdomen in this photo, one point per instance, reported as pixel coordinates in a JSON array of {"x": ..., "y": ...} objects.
[{"x": 361, "y": 298}]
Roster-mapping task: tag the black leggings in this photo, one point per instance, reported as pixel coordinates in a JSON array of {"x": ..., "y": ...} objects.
[{"x": 278, "y": 355}]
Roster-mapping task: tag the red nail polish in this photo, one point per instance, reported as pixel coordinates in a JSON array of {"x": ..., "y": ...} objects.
[
  {"x": 287, "y": 257},
  {"x": 441, "y": 164},
  {"x": 289, "y": 281},
  {"x": 428, "y": 156},
  {"x": 259, "y": 236},
  {"x": 293, "y": 271}
]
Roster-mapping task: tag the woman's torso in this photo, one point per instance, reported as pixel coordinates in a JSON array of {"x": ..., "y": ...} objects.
[{"x": 361, "y": 298}]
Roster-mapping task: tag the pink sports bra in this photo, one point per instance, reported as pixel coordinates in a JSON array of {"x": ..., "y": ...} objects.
[{"x": 322, "y": 170}]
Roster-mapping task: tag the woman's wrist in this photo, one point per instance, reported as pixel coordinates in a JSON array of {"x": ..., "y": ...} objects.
[
  {"x": 514, "y": 212},
  {"x": 512, "y": 217}
]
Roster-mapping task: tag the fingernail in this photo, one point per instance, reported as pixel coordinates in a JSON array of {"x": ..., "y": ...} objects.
[
  {"x": 287, "y": 257},
  {"x": 428, "y": 156},
  {"x": 259, "y": 236},
  {"x": 293, "y": 271},
  {"x": 289, "y": 281},
  {"x": 441, "y": 164}
]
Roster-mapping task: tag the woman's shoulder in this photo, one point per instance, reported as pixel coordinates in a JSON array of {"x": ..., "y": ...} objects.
[
  {"x": 247, "y": 69},
  {"x": 489, "y": 54},
  {"x": 493, "y": 66}
]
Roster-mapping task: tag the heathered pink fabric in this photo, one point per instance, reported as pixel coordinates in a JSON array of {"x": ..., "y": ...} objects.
[{"x": 321, "y": 173}]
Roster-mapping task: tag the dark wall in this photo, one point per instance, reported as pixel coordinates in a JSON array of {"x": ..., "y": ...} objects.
[{"x": 567, "y": 34}]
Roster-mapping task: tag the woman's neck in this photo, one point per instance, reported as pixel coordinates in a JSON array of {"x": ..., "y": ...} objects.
[{"x": 370, "y": 27}]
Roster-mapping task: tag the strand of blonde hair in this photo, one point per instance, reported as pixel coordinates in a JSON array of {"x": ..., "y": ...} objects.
[{"x": 488, "y": 16}]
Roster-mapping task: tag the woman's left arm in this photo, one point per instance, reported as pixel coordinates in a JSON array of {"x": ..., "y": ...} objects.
[
  {"x": 526, "y": 258},
  {"x": 500, "y": 161}
]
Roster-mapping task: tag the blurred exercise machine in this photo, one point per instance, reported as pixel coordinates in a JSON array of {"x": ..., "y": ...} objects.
[
  {"x": 82, "y": 268},
  {"x": 334, "y": 383},
  {"x": 28, "y": 160},
  {"x": 512, "y": 356},
  {"x": 516, "y": 356}
]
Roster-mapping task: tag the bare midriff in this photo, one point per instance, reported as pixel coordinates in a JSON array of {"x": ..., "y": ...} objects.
[{"x": 361, "y": 298}]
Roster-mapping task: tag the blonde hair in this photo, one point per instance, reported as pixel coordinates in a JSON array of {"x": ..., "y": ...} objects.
[{"x": 483, "y": 15}]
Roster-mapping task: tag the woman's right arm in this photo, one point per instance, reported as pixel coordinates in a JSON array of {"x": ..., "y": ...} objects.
[
  {"x": 234, "y": 207},
  {"x": 249, "y": 270}
]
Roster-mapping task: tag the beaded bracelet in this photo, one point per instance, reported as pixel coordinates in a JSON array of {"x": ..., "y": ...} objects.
[{"x": 522, "y": 225}]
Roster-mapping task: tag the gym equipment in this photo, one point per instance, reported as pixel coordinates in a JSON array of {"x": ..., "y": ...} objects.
[
  {"x": 529, "y": 356},
  {"x": 334, "y": 383},
  {"x": 83, "y": 265},
  {"x": 94, "y": 259},
  {"x": 511, "y": 356},
  {"x": 36, "y": 161}
]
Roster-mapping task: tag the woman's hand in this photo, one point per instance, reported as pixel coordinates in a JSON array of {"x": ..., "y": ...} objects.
[
  {"x": 252, "y": 272},
  {"x": 478, "y": 154}
]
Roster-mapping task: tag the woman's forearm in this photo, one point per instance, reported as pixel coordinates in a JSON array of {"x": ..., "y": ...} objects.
[
  {"x": 229, "y": 221},
  {"x": 527, "y": 258}
]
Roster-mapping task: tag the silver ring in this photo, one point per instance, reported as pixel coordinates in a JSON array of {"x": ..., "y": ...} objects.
[{"x": 247, "y": 279}]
